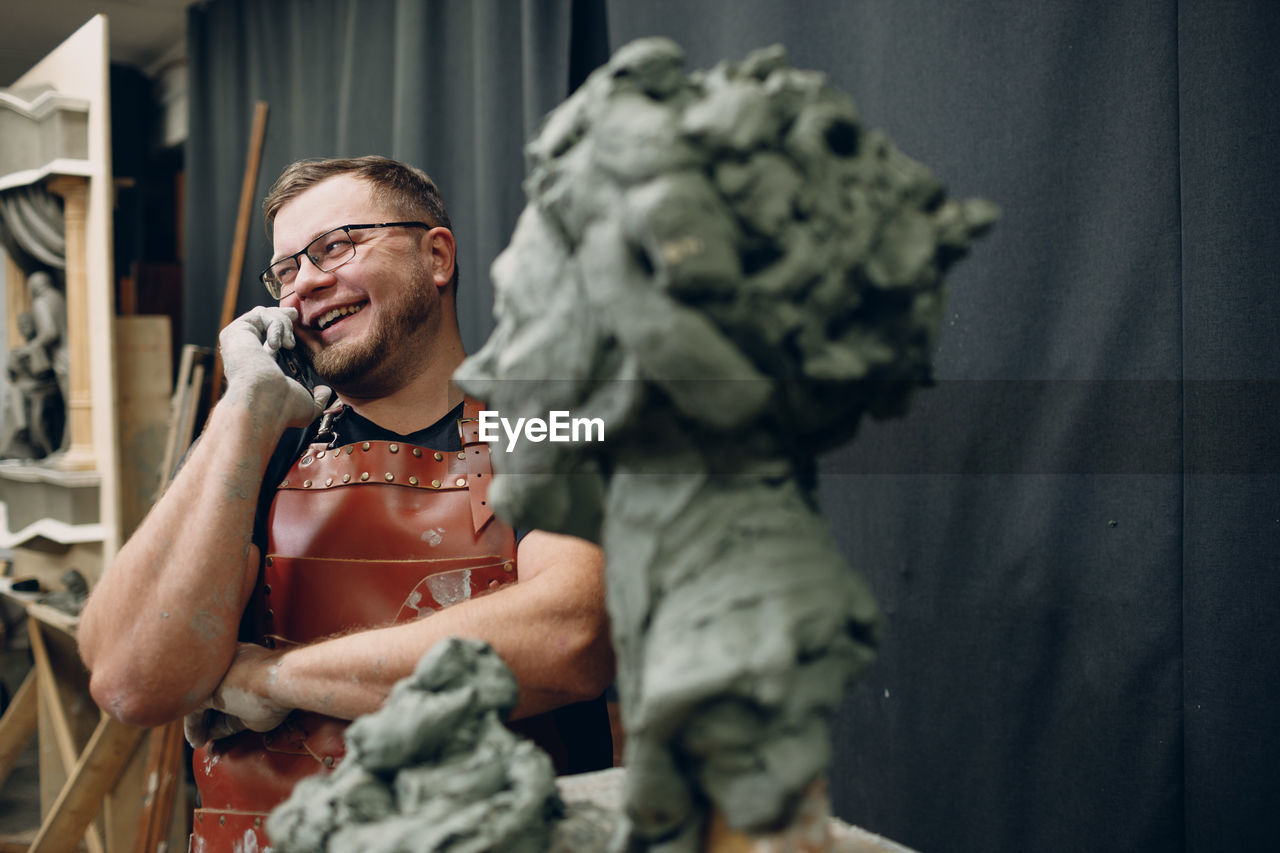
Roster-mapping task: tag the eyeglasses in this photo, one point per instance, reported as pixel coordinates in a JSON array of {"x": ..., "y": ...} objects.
[{"x": 329, "y": 251}]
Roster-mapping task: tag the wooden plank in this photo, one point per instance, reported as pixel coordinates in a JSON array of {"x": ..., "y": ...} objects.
[
  {"x": 58, "y": 716},
  {"x": 177, "y": 405},
  {"x": 248, "y": 190},
  {"x": 143, "y": 368},
  {"x": 94, "y": 775},
  {"x": 18, "y": 725},
  {"x": 164, "y": 766}
]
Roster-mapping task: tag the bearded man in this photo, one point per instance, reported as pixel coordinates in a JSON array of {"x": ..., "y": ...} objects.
[{"x": 295, "y": 569}]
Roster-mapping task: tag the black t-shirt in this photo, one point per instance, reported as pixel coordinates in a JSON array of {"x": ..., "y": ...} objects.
[{"x": 584, "y": 726}]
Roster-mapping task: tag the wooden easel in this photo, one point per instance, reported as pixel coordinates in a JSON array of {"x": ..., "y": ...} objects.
[{"x": 92, "y": 772}]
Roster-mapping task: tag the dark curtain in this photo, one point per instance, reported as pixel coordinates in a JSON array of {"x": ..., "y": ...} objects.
[
  {"x": 454, "y": 88},
  {"x": 1074, "y": 536}
]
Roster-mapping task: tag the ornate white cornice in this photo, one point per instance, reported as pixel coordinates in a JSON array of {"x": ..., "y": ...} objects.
[{"x": 42, "y": 132}]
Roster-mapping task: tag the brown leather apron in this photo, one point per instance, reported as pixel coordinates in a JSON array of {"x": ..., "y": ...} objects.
[{"x": 359, "y": 536}]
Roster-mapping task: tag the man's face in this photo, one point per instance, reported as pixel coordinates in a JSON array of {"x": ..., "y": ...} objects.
[{"x": 357, "y": 322}]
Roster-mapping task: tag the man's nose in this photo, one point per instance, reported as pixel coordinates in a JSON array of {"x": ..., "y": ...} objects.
[{"x": 310, "y": 278}]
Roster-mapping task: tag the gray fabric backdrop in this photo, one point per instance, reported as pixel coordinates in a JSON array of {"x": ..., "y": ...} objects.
[{"x": 1074, "y": 536}]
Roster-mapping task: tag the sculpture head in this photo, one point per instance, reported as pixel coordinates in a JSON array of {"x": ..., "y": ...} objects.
[{"x": 712, "y": 258}]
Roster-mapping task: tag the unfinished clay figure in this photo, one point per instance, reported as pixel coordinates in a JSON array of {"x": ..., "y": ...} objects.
[
  {"x": 729, "y": 271},
  {"x": 434, "y": 769}
]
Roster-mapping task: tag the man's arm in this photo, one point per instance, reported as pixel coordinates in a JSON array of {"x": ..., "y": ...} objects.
[
  {"x": 550, "y": 629},
  {"x": 161, "y": 626}
]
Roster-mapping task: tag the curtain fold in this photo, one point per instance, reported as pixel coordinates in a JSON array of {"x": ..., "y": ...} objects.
[{"x": 31, "y": 223}]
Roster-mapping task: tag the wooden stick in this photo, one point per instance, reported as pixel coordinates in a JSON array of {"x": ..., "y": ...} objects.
[
  {"x": 164, "y": 757},
  {"x": 58, "y": 716},
  {"x": 80, "y": 800},
  {"x": 18, "y": 725},
  {"x": 257, "y": 137}
]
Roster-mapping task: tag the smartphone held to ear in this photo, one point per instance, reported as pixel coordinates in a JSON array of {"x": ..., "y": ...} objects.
[{"x": 296, "y": 367}]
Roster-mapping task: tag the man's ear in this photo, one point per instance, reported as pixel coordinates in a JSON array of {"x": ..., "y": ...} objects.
[{"x": 443, "y": 252}]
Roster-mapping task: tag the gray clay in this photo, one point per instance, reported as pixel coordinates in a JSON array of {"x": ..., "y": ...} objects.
[
  {"x": 433, "y": 770},
  {"x": 730, "y": 271}
]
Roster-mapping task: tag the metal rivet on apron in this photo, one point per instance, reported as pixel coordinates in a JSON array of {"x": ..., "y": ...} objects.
[
  {"x": 266, "y": 589},
  {"x": 394, "y": 448},
  {"x": 413, "y": 481},
  {"x": 257, "y": 822},
  {"x": 508, "y": 566},
  {"x": 285, "y": 484},
  {"x": 351, "y": 448},
  {"x": 439, "y": 456},
  {"x": 435, "y": 484},
  {"x": 389, "y": 476},
  {"x": 328, "y": 761},
  {"x": 307, "y": 460},
  {"x": 271, "y": 561},
  {"x": 222, "y": 821},
  {"x": 346, "y": 478},
  {"x": 306, "y": 484},
  {"x": 328, "y": 481},
  {"x": 364, "y": 446},
  {"x": 364, "y": 475},
  {"x": 320, "y": 455},
  {"x": 462, "y": 454},
  {"x": 417, "y": 451},
  {"x": 461, "y": 481}
]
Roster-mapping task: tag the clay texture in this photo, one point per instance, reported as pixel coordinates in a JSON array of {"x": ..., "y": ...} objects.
[
  {"x": 730, "y": 271},
  {"x": 435, "y": 769}
]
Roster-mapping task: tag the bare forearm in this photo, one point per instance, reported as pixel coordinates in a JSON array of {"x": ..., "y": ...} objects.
[
  {"x": 555, "y": 643},
  {"x": 161, "y": 626}
]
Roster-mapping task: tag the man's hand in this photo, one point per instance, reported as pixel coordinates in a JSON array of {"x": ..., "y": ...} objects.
[
  {"x": 249, "y": 345},
  {"x": 241, "y": 701}
]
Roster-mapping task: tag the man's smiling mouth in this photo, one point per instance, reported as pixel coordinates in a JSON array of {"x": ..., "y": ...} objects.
[{"x": 330, "y": 317}]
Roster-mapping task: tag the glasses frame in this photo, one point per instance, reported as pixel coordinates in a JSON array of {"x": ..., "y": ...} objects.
[{"x": 277, "y": 290}]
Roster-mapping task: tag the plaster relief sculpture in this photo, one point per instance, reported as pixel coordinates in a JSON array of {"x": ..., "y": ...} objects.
[
  {"x": 730, "y": 271},
  {"x": 35, "y": 408}
]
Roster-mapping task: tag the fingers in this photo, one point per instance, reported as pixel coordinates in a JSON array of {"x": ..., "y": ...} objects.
[
  {"x": 279, "y": 334},
  {"x": 200, "y": 727},
  {"x": 195, "y": 729},
  {"x": 225, "y": 725},
  {"x": 321, "y": 394}
]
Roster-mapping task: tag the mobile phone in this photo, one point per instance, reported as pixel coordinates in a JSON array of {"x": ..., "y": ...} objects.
[{"x": 296, "y": 366}]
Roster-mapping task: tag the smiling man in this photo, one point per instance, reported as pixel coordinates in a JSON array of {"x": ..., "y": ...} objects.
[{"x": 299, "y": 565}]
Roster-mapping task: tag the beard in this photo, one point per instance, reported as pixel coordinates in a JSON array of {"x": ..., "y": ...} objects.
[{"x": 370, "y": 361}]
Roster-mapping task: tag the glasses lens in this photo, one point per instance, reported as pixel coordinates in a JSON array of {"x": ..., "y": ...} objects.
[
  {"x": 332, "y": 250},
  {"x": 280, "y": 275}
]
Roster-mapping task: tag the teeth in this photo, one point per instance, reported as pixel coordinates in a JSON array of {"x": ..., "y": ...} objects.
[{"x": 328, "y": 318}]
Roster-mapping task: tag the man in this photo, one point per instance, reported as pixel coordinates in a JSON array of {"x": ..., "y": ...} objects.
[{"x": 322, "y": 537}]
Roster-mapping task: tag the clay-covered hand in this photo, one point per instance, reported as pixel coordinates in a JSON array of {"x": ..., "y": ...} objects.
[
  {"x": 241, "y": 701},
  {"x": 249, "y": 345}
]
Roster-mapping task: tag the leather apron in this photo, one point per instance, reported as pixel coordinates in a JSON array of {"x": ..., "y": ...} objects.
[{"x": 359, "y": 536}]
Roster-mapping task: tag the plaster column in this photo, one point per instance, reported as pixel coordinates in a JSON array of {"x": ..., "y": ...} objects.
[{"x": 79, "y": 455}]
